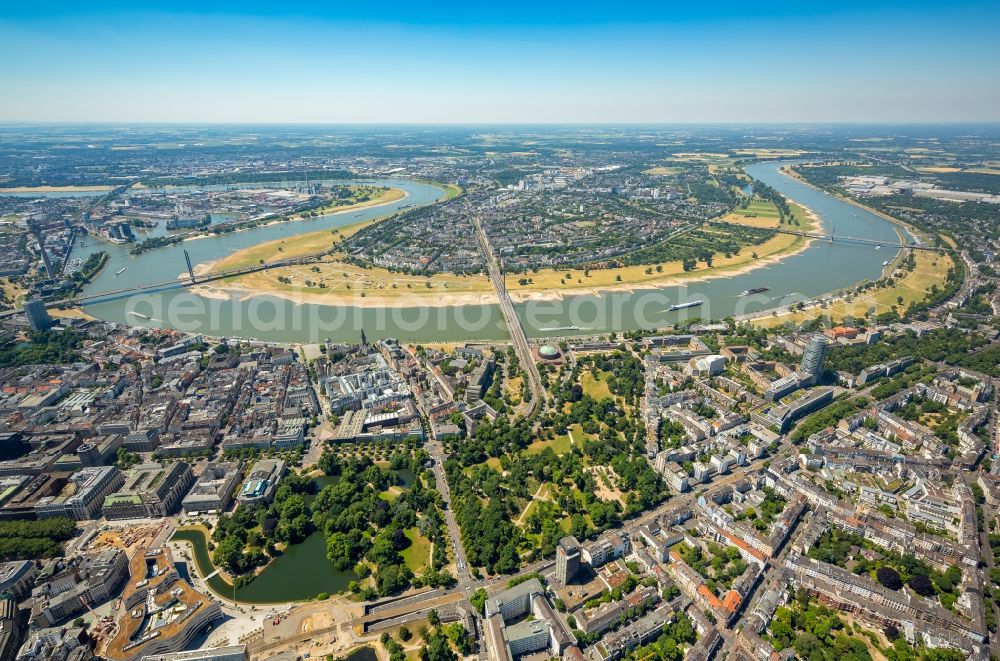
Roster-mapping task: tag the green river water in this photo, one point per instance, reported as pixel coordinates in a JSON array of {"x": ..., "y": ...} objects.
[{"x": 821, "y": 268}]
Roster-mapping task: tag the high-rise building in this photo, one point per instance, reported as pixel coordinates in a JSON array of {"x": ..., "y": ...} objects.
[
  {"x": 567, "y": 559},
  {"x": 38, "y": 317},
  {"x": 812, "y": 357}
]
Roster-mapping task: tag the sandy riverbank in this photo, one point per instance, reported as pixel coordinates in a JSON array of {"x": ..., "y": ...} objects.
[
  {"x": 437, "y": 297},
  {"x": 395, "y": 195},
  {"x": 70, "y": 313},
  {"x": 355, "y": 287},
  {"x": 348, "y": 298},
  {"x": 673, "y": 281},
  {"x": 930, "y": 270}
]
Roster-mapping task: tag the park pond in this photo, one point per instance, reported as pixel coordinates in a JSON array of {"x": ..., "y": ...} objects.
[
  {"x": 362, "y": 654},
  {"x": 300, "y": 573}
]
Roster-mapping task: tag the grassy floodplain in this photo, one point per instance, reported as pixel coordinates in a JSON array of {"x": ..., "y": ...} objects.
[
  {"x": 300, "y": 245},
  {"x": 556, "y": 283},
  {"x": 337, "y": 206},
  {"x": 451, "y": 191},
  {"x": 763, "y": 214},
  {"x": 758, "y": 213},
  {"x": 335, "y": 281},
  {"x": 661, "y": 171},
  {"x": 931, "y": 269},
  {"x": 911, "y": 286}
]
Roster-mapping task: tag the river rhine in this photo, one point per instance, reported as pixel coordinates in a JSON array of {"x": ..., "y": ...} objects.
[{"x": 820, "y": 268}]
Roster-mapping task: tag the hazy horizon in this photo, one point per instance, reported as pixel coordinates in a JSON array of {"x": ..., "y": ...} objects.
[
  {"x": 526, "y": 124},
  {"x": 725, "y": 63}
]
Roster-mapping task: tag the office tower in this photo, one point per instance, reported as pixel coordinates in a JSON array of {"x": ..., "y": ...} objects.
[
  {"x": 567, "y": 559},
  {"x": 38, "y": 317},
  {"x": 812, "y": 357}
]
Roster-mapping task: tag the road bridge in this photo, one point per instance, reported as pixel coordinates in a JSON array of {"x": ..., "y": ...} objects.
[
  {"x": 833, "y": 237},
  {"x": 113, "y": 294},
  {"x": 517, "y": 335}
]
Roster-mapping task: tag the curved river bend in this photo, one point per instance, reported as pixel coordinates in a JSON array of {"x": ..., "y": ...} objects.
[{"x": 820, "y": 268}]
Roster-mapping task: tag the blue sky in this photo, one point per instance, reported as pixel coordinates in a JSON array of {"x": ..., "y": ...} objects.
[{"x": 500, "y": 62}]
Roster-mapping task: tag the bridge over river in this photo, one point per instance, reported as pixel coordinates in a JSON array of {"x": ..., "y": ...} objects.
[
  {"x": 834, "y": 260},
  {"x": 834, "y": 237}
]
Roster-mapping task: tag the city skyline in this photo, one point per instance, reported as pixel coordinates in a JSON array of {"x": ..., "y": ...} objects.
[
  {"x": 779, "y": 62},
  {"x": 598, "y": 393}
]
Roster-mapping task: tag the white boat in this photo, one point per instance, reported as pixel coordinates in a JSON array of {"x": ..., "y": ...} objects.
[
  {"x": 120, "y": 271},
  {"x": 885, "y": 263},
  {"x": 558, "y": 328},
  {"x": 878, "y": 247},
  {"x": 140, "y": 315},
  {"x": 681, "y": 306}
]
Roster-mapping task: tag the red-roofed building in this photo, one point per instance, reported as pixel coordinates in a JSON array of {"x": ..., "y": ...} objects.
[
  {"x": 709, "y": 597},
  {"x": 732, "y": 601},
  {"x": 838, "y": 332}
]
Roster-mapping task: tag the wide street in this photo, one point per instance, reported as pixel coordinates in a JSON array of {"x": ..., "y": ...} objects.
[
  {"x": 437, "y": 454},
  {"x": 519, "y": 339}
]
